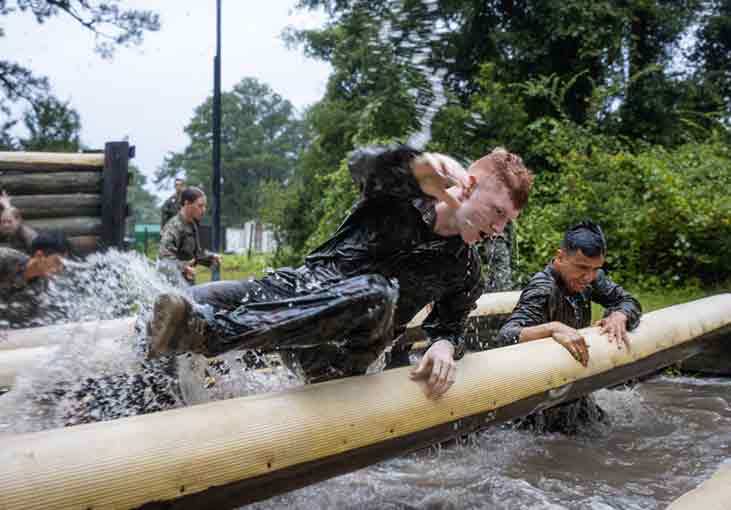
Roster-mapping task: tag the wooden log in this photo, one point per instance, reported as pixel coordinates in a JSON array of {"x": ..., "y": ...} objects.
[
  {"x": 114, "y": 194},
  {"x": 232, "y": 452},
  {"x": 70, "y": 227},
  {"x": 58, "y": 206},
  {"x": 713, "y": 494},
  {"x": 51, "y": 335},
  {"x": 50, "y": 161},
  {"x": 55, "y": 183},
  {"x": 84, "y": 245}
]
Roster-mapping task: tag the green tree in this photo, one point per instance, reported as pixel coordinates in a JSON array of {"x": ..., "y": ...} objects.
[
  {"x": 261, "y": 139},
  {"x": 111, "y": 23},
  {"x": 143, "y": 203},
  {"x": 52, "y": 126}
]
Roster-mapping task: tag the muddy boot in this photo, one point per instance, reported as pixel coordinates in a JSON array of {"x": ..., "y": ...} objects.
[{"x": 176, "y": 327}]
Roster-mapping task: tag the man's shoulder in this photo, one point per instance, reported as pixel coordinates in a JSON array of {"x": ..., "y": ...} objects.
[
  {"x": 541, "y": 284},
  {"x": 174, "y": 224}
]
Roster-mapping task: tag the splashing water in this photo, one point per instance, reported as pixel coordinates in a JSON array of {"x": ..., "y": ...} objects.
[{"x": 86, "y": 378}]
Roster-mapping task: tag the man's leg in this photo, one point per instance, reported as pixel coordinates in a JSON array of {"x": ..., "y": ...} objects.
[{"x": 280, "y": 315}]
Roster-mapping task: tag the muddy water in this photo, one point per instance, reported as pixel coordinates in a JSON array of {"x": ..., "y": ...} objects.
[{"x": 667, "y": 435}]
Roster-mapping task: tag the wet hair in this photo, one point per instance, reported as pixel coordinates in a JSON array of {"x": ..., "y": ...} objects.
[
  {"x": 191, "y": 194},
  {"x": 586, "y": 236},
  {"x": 508, "y": 169},
  {"x": 51, "y": 243},
  {"x": 179, "y": 179}
]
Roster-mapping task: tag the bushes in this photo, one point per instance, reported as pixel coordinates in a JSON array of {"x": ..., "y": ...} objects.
[{"x": 666, "y": 212}]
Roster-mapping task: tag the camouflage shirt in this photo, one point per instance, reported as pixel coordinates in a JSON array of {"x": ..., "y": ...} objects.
[
  {"x": 170, "y": 208},
  {"x": 19, "y": 299},
  {"x": 545, "y": 299},
  {"x": 20, "y": 240},
  {"x": 180, "y": 245}
]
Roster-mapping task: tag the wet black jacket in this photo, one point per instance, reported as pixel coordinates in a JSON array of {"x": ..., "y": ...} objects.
[
  {"x": 390, "y": 231},
  {"x": 545, "y": 299}
]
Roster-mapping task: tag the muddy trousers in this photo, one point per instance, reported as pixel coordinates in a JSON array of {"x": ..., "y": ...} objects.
[{"x": 327, "y": 327}]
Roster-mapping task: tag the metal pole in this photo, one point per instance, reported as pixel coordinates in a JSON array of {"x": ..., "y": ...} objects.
[{"x": 217, "y": 142}]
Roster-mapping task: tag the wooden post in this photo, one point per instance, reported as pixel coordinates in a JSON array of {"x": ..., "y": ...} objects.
[{"x": 114, "y": 193}]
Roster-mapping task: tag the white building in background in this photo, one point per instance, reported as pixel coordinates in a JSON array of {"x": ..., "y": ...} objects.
[{"x": 255, "y": 237}]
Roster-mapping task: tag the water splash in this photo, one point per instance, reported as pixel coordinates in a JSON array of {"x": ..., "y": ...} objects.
[{"x": 87, "y": 379}]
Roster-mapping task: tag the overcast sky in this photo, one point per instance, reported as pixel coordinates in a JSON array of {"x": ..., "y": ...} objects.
[{"x": 148, "y": 92}]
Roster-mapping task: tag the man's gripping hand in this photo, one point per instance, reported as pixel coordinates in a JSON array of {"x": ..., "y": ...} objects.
[
  {"x": 615, "y": 327},
  {"x": 437, "y": 368}
]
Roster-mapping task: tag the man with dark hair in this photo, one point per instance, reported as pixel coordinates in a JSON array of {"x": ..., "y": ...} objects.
[
  {"x": 556, "y": 303},
  {"x": 13, "y": 233},
  {"x": 51, "y": 243},
  {"x": 407, "y": 241},
  {"x": 180, "y": 247},
  {"x": 172, "y": 205}
]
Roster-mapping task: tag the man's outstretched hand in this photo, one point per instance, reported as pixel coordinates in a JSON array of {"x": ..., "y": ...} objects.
[{"x": 437, "y": 369}]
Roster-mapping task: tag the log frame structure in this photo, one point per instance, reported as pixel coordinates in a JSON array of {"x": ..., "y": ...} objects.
[
  {"x": 81, "y": 195},
  {"x": 227, "y": 453}
]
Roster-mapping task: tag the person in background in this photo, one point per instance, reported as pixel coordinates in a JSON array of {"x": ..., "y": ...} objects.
[
  {"x": 13, "y": 233},
  {"x": 180, "y": 247},
  {"x": 172, "y": 205},
  {"x": 556, "y": 303}
]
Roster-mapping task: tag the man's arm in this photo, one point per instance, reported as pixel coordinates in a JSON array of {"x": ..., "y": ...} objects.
[
  {"x": 530, "y": 321},
  {"x": 615, "y": 299},
  {"x": 384, "y": 171},
  {"x": 17, "y": 269},
  {"x": 622, "y": 311},
  {"x": 445, "y": 327}
]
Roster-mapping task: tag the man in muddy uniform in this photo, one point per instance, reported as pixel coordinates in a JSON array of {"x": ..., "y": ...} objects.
[
  {"x": 408, "y": 240},
  {"x": 172, "y": 205},
  {"x": 21, "y": 283},
  {"x": 13, "y": 233},
  {"x": 180, "y": 247},
  {"x": 557, "y": 302}
]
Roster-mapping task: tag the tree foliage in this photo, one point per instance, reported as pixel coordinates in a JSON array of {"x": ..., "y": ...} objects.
[
  {"x": 261, "y": 140},
  {"x": 108, "y": 20},
  {"x": 621, "y": 108},
  {"x": 143, "y": 203}
]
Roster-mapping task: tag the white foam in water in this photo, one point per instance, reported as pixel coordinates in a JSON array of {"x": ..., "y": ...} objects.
[{"x": 91, "y": 379}]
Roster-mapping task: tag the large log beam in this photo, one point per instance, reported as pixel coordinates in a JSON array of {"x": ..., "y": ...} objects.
[
  {"x": 713, "y": 494},
  {"x": 48, "y": 161},
  {"x": 228, "y": 453},
  {"x": 45, "y": 183},
  {"x": 58, "y": 206},
  {"x": 70, "y": 227}
]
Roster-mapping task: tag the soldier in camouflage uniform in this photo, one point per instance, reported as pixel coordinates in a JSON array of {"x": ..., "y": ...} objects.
[
  {"x": 172, "y": 205},
  {"x": 21, "y": 283},
  {"x": 13, "y": 234},
  {"x": 497, "y": 261},
  {"x": 180, "y": 247},
  {"x": 557, "y": 302}
]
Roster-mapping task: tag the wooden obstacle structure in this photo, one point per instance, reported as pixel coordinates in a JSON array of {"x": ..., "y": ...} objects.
[{"x": 81, "y": 195}]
